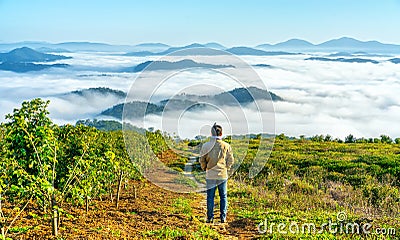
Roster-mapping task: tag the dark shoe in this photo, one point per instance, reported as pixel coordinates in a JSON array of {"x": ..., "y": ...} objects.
[{"x": 210, "y": 220}]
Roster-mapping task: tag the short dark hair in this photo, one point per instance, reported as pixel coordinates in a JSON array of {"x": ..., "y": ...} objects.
[{"x": 216, "y": 130}]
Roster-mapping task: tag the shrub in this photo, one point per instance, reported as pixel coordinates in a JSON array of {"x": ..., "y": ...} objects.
[
  {"x": 350, "y": 139},
  {"x": 386, "y": 139},
  {"x": 300, "y": 186}
]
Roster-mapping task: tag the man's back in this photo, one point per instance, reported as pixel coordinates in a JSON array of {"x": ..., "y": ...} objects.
[{"x": 216, "y": 158}]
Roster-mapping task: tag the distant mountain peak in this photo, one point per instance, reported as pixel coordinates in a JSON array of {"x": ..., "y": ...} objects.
[
  {"x": 194, "y": 45},
  {"x": 264, "y": 45},
  {"x": 23, "y": 51},
  {"x": 344, "y": 39},
  {"x": 152, "y": 45},
  {"x": 254, "y": 52},
  {"x": 28, "y": 55},
  {"x": 342, "y": 44},
  {"x": 295, "y": 42},
  {"x": 100, "y": 91},
  {"x": 167, "y": 65},
  {"x": 214, "y": 45},
  {"x": 25, "y": 59},
  {"x": 85, "y": 42},
  {"x": 347, "y": 39}
]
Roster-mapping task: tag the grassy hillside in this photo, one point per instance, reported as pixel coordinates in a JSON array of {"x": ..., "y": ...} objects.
[
  {"x": 312, "y": 182},
  {"x": 81, "y": 183}
]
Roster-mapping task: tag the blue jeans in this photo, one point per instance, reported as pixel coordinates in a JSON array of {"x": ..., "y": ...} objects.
[{"x": 212, "y": 184}]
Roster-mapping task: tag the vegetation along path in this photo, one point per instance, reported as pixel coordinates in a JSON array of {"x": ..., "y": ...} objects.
[{"x": 77, "y": 182}]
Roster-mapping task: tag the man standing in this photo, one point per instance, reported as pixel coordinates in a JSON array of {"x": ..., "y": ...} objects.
[{"x": 216, "y": 159}]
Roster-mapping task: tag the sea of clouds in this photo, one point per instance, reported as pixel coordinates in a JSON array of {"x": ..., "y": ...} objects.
[{"x": 333, "y": 98}]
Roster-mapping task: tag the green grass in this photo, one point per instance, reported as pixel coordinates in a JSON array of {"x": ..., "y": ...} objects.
[
  {"x": 200, "y": 176},
  {"x": 166, "y": 233},
  {"x": 205, "y": 232},
  {"x": 305, "y": 181},
  {"x": 182, "y": 205},
  {"x": 182, "y": 179},
  {"x": 20, "y": 229},
  {"x": 178, "y": 165}
]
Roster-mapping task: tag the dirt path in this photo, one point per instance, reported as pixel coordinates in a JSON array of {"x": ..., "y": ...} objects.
[
  {"x": 154, "y": 213},
  {"x": 151, "y": 215},
  {"x": 233, "y": 229}
]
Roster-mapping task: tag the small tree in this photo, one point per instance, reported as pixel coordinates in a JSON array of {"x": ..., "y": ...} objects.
[
  {"x": 122, "y": 166},
  {"x": 34, "y": 153},
  {"x": 350, "y": 139},
  {"x": 32, "y": 146},
  {"x": 361, "y": 140},
  {"x": 386, "y": 139},
  {"x": 328, "y": 138},
  {"x": 317, "y": 138},
  {"x": 85, "y": 169},
  {"x": 50, "y": 164},
  {"x": 281, "y": 137}
]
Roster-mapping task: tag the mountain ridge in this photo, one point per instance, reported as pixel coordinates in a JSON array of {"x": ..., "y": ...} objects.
[
  {"x": 336, "y": 44},
  {"x": 199, "y": 49},
  {"x": 294, "y": 42},
  {"x": 167, "y": 65},
  {"x": 24, "y": 59},
  {"x": 339, "y": 44},
  {"x": 97, "y": 90},
  {"x": 28, "y": 55},
  {"x": 191, "y": 102},
  {"x": 347, "y": 60}
]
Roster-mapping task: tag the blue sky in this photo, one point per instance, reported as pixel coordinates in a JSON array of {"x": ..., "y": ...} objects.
[{"x": 173, "y": 22}]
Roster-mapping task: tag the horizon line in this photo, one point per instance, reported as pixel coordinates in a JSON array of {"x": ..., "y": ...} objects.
[{"x": 188, "y": 43}]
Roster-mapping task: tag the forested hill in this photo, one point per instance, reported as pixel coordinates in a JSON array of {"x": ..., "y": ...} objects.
[
  {"x": 25, "y": 59},
  {"x": 98, "y": 91},
  {"x": 241, "y": 96},
  {"x": 28, "y": 55}
]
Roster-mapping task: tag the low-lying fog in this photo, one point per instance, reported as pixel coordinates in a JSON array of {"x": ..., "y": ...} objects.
[{"x": 333, "y": 98}]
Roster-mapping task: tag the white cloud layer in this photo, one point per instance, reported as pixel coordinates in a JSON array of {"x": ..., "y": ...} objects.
[{"x": 321, "y": 97}]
